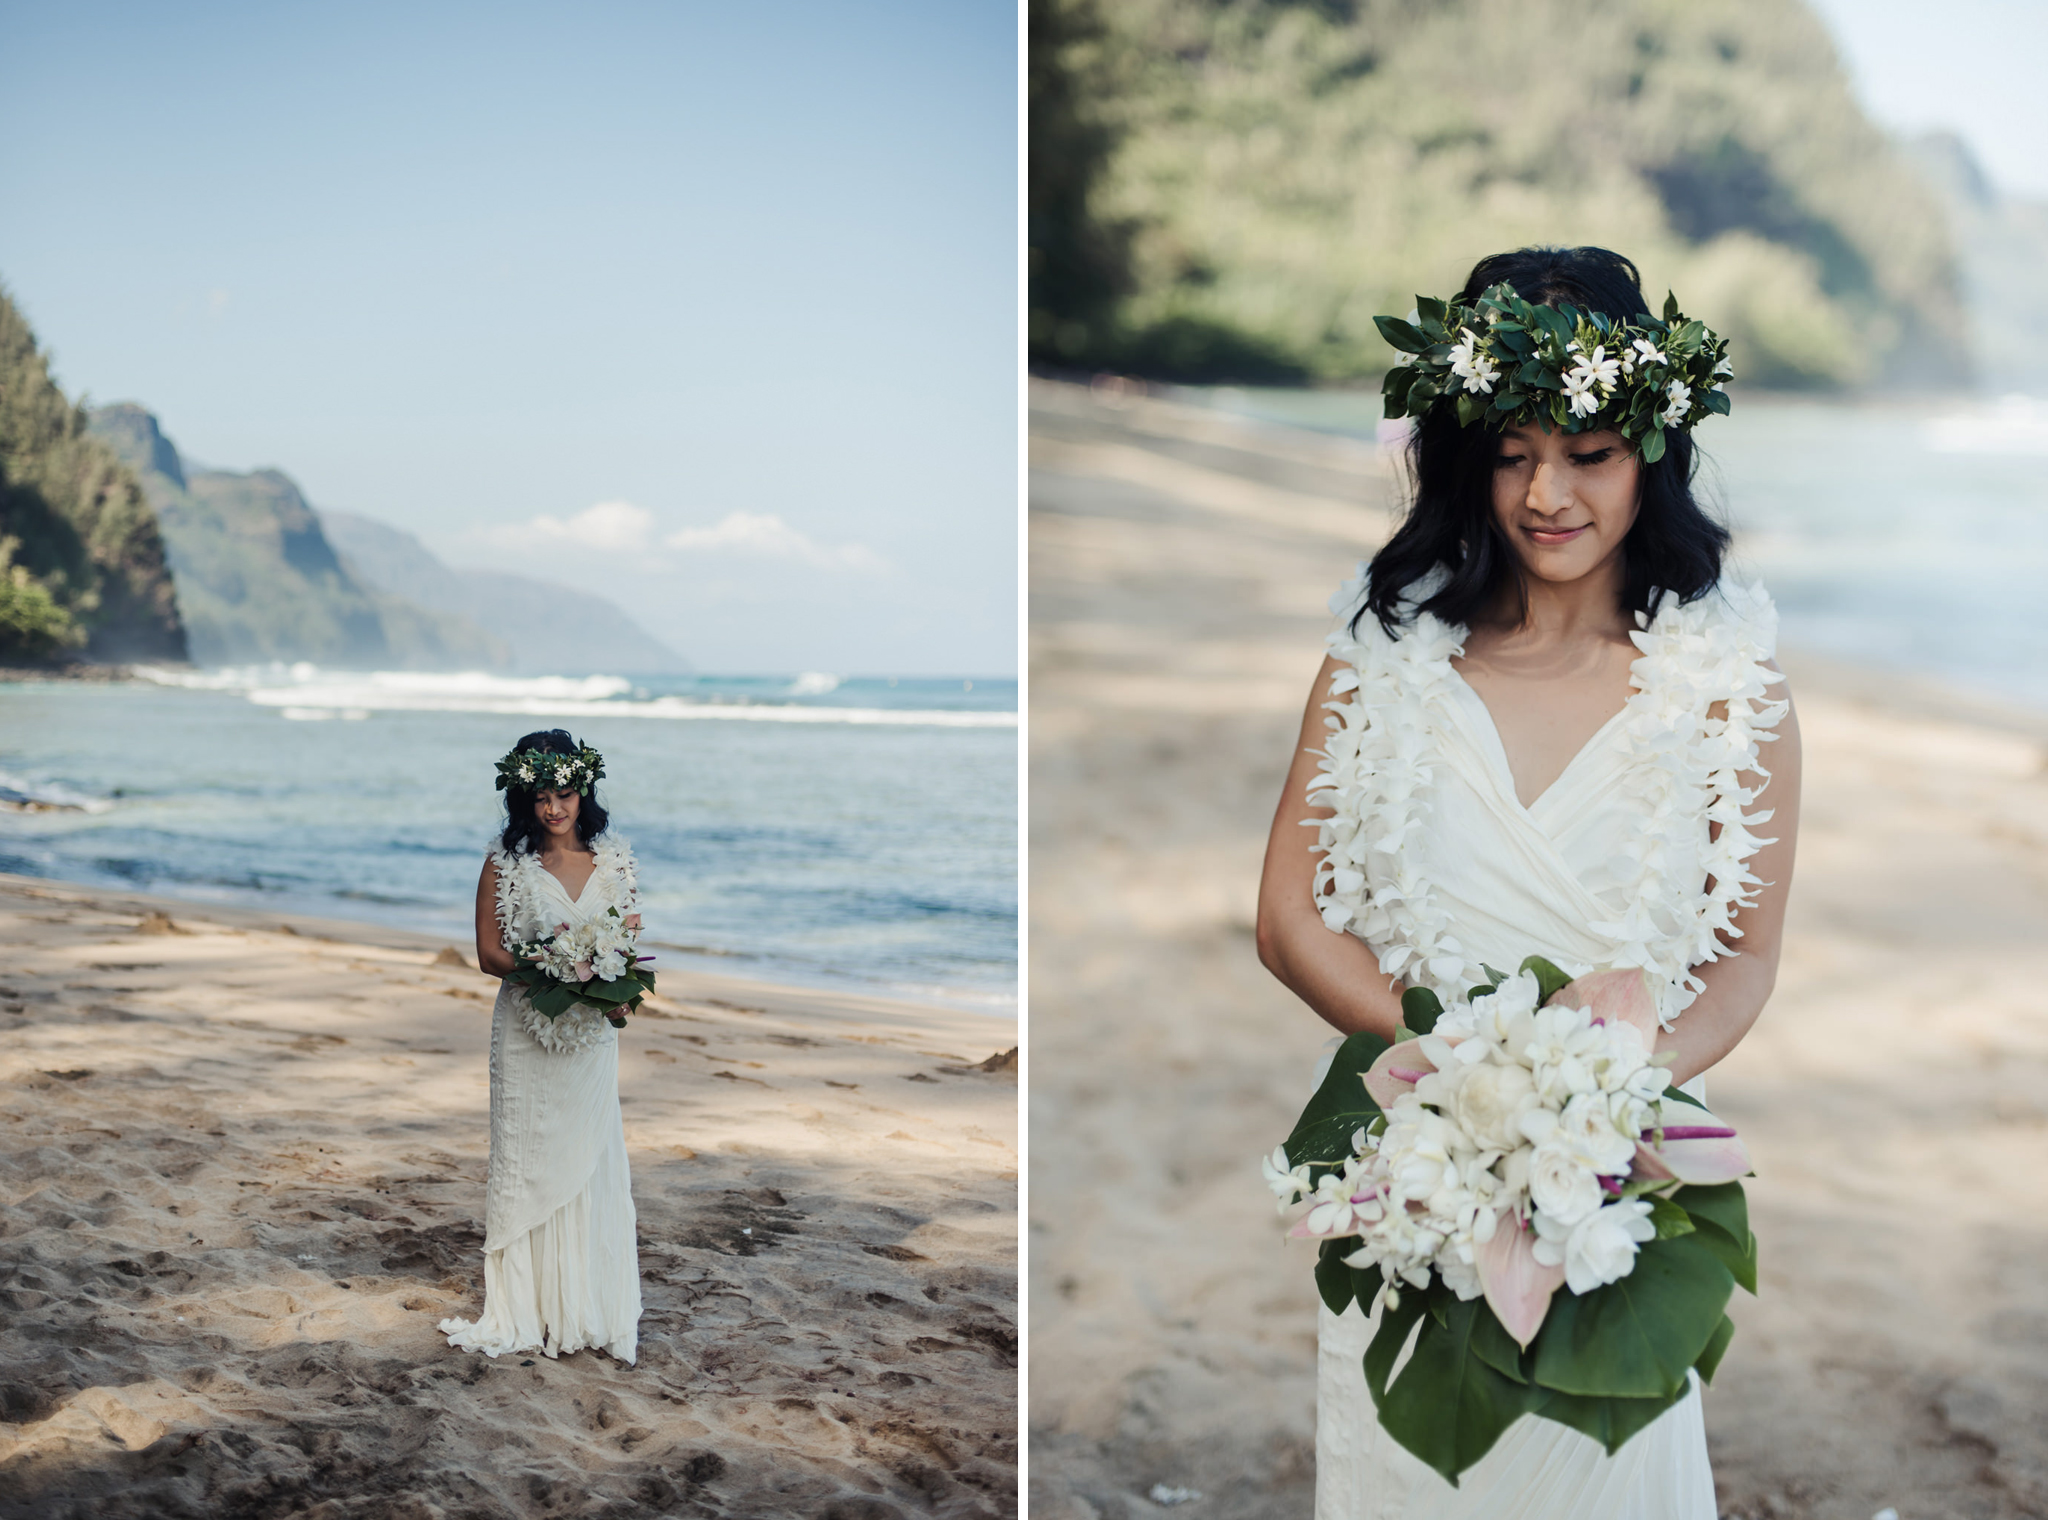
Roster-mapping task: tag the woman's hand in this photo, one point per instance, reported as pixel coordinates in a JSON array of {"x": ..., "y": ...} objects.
[
  {"x": 492, "y": 958},
  {"x": 1335, "y": 974}
]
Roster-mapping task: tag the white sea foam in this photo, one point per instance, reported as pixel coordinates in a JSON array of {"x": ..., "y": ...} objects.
[
  {"x": 814, "y": 683},
  {"x": 304, "y": 692},
  {"x": 2012, "y": 425}
]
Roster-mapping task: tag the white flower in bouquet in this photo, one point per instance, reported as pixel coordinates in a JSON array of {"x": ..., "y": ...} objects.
[{"x": 1598, "y": 1249}]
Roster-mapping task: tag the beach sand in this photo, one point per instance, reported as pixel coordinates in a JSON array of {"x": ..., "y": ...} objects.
[
  {"x": 242, "y": 1169},
  {"x": 1894, "y": 1095}
]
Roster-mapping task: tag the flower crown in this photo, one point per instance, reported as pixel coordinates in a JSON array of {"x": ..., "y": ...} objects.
[
  {"x": 540, "y": 770},
  {"x": 1509, "y": 362}
]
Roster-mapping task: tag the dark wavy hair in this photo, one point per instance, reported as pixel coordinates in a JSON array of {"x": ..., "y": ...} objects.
[
  {"x": 1674, "y": 547},
  {"x": 522, "y": 829}
]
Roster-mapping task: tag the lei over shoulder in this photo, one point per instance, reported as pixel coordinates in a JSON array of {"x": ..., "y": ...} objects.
[
  {"x": 1696, "y": 724},
  {"x": 613, "y": 878}
]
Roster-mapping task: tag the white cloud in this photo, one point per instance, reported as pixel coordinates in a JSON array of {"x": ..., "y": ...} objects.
[
  {"x": 613, "y": 526},
  {"x": 606, "y": 525},
  {"x": 766, "y": 535}
]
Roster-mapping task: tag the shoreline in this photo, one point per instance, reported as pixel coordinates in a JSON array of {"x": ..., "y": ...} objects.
[{"x": 242, "y": 1179}]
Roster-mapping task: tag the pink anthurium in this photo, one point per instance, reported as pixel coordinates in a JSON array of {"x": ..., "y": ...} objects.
[
  {"x": 1615, "y": 997},
  {"x": 1517, "y": 1286},
  {"x": 1398, "y": 1069},
  {"x": 1696, "y": 1148}
]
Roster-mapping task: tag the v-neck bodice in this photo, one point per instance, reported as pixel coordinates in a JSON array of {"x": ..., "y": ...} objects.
[
  {"x": 533, "y": 901},
  {"x": 1432, "y": 859}
]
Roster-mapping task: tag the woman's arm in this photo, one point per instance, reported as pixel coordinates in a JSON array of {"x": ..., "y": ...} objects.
[
  {"x": 1335, "y": 974},
  {"x": 492, "y": 958},
  {"x": 1738, "y": 986}
]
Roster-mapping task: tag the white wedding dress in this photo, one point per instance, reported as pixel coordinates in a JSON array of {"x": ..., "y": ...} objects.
[
  {"x": 561, "y": 1264},
  {"x": 1431, "y": 859}
]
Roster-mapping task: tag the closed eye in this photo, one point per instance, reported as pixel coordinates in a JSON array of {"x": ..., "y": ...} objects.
[{"x": 1594, "y": 456}]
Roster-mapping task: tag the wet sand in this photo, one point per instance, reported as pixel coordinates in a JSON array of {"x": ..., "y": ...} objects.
[
  {"x": 1895, "y": 1093},
  {"x": 242, "y": 1170}
]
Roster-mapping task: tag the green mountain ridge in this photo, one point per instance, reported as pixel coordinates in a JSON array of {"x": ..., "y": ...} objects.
[
  {"x": 1232, "y": 189},
  {"x": 257, "y": 579},
  {"x": 82, "y": 562}
]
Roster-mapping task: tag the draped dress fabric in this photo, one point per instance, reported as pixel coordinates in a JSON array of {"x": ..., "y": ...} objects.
[
  {"x": 1635, "y": 856},
  {"x": 561, "y": 1265}
]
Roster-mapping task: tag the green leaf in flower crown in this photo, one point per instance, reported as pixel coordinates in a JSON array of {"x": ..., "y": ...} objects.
[
  {"x": 1395, "y": 387},
  {"x": 1420, "y": 1009},
  {"x": 1469, "y": 408},
  {"x": 1402, "y": 335},
  {"x": 1716, "y": 1349},
  {"x": 1671, "y": 1221},
  {"x": 1333, "y": 1278},
  {"x": 1652, "y": 447},
  {"x": 1512, "y": 341},
  {"x": 1549, "y": 980},
  {"x": 1670, "y": 307},
  {"x": 1716, "y": 402},
  {"x": 1448, "y": 1406},
  {"x": 1340, "y": 1107},
  {"x": 1609, "y": 1421},
  {"x": 1430, "y": 309},
  {"x": 1637, "y": 1336}
]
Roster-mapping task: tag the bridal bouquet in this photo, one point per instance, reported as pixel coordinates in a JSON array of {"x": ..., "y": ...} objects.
[
  {"x": 593, "y": 962},
  {"x": 1521, "y": 1143}
]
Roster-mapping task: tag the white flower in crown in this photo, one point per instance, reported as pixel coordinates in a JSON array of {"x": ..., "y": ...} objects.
[
  {"x": 1680, "y": 399},
  {"x": 1722, "y": 372},
  {"x": 1579, "y": 393},
  {"x": 1605, "y": 371},
  {"x": 1473, "y": 367},
  {"x": 526, "y": 773},
  {"x": 1649, "y": 352}
]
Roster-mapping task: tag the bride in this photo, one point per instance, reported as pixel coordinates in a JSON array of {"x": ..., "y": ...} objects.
[
  {"x": 561, "y": 1267},
  {"x": 1543, "y": 656}
]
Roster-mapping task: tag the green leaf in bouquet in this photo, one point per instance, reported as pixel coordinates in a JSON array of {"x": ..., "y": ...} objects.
[
  {"x": 1609, "y": 1421},
  {"x": 1680, "y": 1095},
  {"x": 1710, "y": 1359},
  {"x": 1396, "y": 1321},
  {"x": 1549, "y": 980},
  {"x": 1636, "y": 1337},
  {"x": 1420, "y": 1009},
  {"x": 1721, "y": 1215},
  {"x": 1492, "y": 1344},
  {"x": 1366, "y": 1283},
  {"x": 553, "y": 1000},
  {"x": 1333, "y": 1278},
  {"x": 1448, "y": 1406},
  {"x": 1671, "y": 1220},
  {"x": 1340, "y": 1106}
]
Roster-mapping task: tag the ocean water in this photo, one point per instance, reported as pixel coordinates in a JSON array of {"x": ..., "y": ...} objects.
[
  {"x": 856, "y": 833},
  {"x": 1906, "y": 536}
]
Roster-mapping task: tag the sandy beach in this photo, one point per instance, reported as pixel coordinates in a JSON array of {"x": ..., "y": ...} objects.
[
  {"x": 242, "y": 1167},
  {"x": 1894, "y": 1095}
]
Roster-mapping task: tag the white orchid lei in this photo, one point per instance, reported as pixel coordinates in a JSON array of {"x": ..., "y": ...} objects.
[
  {"x": 540, "y": 770},
  {"x": 1507, "y": 361},
  {"x": 1525, "y": 1141}
]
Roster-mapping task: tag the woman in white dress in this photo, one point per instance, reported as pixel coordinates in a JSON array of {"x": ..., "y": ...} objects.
[
  {"x": 1537, "y": 731},
  {"x": 561, "y": 1266}
]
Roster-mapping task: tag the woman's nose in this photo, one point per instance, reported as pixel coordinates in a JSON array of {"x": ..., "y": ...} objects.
[{"x": 1548, "y": 492}]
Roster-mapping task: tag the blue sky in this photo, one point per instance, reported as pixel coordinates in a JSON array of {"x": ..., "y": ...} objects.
[
  {"x": 709, "y": 307},
  {"x": 1973, "y": 66}
]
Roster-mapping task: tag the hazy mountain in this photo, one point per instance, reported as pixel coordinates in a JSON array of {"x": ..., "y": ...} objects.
[
  {"x": 2004, "y": 247},
  {"x": 82, "y": 567},
  {"x": 257, "y": 579},
  {"x": 548, "y": 628}
]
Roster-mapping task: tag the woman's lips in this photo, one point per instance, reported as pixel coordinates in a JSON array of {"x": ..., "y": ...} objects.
[{"x": 1550, "y": 537}]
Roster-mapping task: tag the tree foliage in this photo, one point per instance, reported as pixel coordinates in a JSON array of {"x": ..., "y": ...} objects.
[
  {"x": 1270, "y": 175},
  {"x": 82, "y": 565}
]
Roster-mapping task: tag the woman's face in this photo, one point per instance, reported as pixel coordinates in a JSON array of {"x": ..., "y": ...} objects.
[
  {"x": 1565, "y": 500},
  {"x": 556, "y": 812}
]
